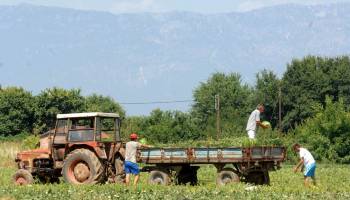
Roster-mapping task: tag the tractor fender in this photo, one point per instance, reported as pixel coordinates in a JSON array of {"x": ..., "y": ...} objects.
[
  {"x": 121, "y": 152},
  {"x": 100, "y": 153}
]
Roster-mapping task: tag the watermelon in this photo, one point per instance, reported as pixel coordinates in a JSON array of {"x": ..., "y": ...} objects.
[
  {"x": 143, "y": 141},
  {"x": 266, "y": 123}
]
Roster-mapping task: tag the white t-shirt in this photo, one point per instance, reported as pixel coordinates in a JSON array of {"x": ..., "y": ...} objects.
[
  {"x": 308, "y": 158},
  {"x": 253, "y": 118},
  {"x": 130, "y": 151}
]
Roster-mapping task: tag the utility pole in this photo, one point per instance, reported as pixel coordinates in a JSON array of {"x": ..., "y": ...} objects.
[
  {"x": 280, "y": 108},
  {"x": 217, "y": 108}
]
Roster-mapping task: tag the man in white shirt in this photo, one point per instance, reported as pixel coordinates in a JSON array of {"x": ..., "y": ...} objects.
[
  {"x": 130, "y": 165},
  {"x": 306, "y": 160},
  {"x": 254, "y": 120}
]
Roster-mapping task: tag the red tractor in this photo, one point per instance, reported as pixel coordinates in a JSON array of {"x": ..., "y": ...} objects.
[{"x": 84, "y": 148}]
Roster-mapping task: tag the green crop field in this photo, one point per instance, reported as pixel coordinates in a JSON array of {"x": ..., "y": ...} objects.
[{"x": 333, "y": 183}]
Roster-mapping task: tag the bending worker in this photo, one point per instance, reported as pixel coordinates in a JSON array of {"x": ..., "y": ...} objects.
[{"x": 309, "y": 163}]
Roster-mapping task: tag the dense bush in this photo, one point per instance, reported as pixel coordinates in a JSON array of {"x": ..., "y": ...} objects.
[
  {"x": 164, "y": 127},
  {"x": 327, "y": 134},
  {"x": 14, "y": 138},
  {"x": 30, "y": 142},
  {"x": 16, "y": 111}
]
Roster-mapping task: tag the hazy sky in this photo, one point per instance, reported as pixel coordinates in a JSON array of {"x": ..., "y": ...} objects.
[{"x": 202, "y": 6}]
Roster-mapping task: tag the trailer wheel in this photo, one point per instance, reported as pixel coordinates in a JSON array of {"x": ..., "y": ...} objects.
[
  {"x": 159, "y": 177},
  {"x": 82, "y": 167},
  {"x": 227, "y": 176},
  {"x": 258, "y": 177},
  {"x": 22, "y": 177}
]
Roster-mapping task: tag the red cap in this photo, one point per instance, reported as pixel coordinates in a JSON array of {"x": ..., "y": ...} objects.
[{"x": 133, "y": 136}]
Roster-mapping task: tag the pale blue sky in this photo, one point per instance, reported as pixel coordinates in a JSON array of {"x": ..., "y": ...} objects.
[{"x": 201, "y": 6}]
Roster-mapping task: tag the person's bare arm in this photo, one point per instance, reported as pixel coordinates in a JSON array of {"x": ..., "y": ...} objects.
[
  {"x": 300, "y": 163},
  {"x": 145, "y": 146}
]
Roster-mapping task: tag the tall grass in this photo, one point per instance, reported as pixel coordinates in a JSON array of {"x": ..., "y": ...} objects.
[
  {"x": 9, "y": 148},
  {"x": 8, "y": 153}
]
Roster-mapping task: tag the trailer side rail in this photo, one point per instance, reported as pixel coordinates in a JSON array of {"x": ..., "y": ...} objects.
[{"x": 211, "y": 155}]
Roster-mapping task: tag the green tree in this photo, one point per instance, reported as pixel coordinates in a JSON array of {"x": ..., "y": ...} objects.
[
  {"x": 133, "y": 124},
  {"x": 99, "y": 103},
  {"x": 235, "y": 103},
  {"x": 338, "y": 70},
  {"x": 16, "y": 111},
  {"x": 266, "y": 92},
  {"x": 53, "y": 101},
  {"x": 308, "y": 81}
]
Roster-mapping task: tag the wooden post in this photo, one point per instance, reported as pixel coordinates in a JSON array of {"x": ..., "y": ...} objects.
[
  {"x": 217, "y": 108},
  {"x": 279, "y": 109}
]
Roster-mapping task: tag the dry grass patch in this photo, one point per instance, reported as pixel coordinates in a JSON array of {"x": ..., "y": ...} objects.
[{"x": 8, "y": 153}]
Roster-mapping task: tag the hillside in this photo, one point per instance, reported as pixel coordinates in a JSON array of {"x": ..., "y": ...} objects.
[{"x": 164, "y": 56}]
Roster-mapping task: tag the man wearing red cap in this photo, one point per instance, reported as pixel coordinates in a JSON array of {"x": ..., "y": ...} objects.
[{"x": 130, "y": 165}]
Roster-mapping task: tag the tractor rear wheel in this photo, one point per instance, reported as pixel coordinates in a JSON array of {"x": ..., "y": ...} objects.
[
  {"x": 119, "y": 170},
  {"x": 22, "y": 177},
  {"x": 82, "y": 167}
]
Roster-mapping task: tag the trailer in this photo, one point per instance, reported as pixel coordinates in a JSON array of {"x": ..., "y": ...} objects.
[{"x": 233, "y": 164}]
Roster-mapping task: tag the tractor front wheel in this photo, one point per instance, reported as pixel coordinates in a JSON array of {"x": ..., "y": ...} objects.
[{"x": 22, "y": 177}]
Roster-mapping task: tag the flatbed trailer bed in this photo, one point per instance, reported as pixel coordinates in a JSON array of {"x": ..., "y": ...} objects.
[{"x": 233, "y": 164}]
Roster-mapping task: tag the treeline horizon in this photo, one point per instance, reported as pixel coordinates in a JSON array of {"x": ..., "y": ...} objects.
[{"x": 308, "y": 89}]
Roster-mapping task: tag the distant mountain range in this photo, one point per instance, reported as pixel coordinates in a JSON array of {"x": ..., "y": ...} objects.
[{"x": 152, "y": 57}]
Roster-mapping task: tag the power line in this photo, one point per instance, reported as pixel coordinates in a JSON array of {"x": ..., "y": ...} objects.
[{"x": 155, "y": 102}]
